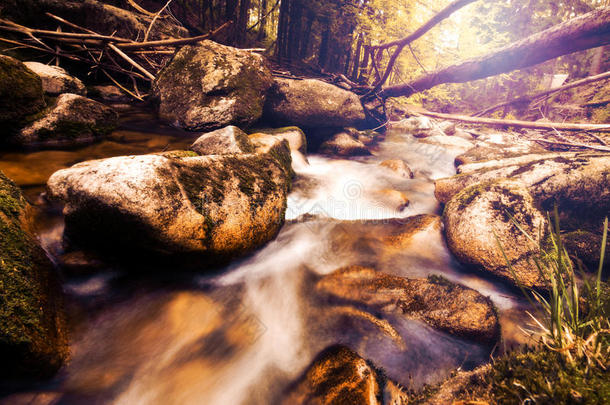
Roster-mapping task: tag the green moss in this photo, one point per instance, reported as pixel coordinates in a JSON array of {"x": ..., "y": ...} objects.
[
  {"x": 177, "y": 154},
  {"x": 30, "y": 343}
]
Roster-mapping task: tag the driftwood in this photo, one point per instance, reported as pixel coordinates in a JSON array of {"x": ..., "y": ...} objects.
[
  {"x": 138, "y": 61},
  {"x": 529, "y": 98},
  {"x": 584, "y": 32},
  {"x": 514, "y": 123}
]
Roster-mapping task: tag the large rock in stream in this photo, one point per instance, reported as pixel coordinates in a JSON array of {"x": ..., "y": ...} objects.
[
  {"x": 21, "y": 95},
  {"x": 33, "y": 333},
  {"x": 177, "y": 204},
  {"x": 208, "y": 86},
  {"x": 313, "y": 103},
  {"x": 483, "y": 220},
  {"x": 71, "y": 121},
  {"x": 338, "y": 375},
  {"x": 55, "y": 80},
  {"x": 444, "y": 305}
]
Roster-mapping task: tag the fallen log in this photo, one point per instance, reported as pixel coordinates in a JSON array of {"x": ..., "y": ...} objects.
[
  {"x": 173, "y": 42},
  {"x": 584, "y": 32},
  {"x": 513, "y": 123},
  {"x": 529, "y": 98}
]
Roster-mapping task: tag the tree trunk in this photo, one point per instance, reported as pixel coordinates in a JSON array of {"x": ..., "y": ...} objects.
[
  {"x": 596, "y": 63},
  {"x": 584, "y": 32},
  {"x": 324, "y": 45},
  {"x": 357, "y": 57},
  {"x": 262, "y": 17}
]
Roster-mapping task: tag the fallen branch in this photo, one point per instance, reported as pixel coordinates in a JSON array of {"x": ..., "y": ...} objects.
[
  {"x": 584, "y": 32},
  {"x": 529, "y": 98},
  {"x": 597, "y": 103},
  {"x": 173, "y": 42},
  {"x": 513, "y": 123},
  {"x": 12, "y": 27},
  {"x": 154, "y": 19},
  {"x": 573, "y": 144}
]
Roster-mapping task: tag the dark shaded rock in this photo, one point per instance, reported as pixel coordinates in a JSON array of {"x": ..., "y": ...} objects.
[
  {"x": 586, "y": 246},
  {"x": 338, "y": 375},
  {"x": 33, "y": 335},
  {"x": 72, "y": 120},
  {"x": 450, "y": 307},
  {"x": 21, "y": 95},
  {"x": 313, "y": 103},
  {"x": 208, "y": 86}
]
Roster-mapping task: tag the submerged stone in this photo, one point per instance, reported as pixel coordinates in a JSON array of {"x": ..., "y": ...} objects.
[{"x": 342, "y": 144}]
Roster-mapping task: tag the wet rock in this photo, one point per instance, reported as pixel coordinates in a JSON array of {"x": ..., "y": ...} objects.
[
  {"x": 342, "y": 144},
  {"x": 294, "y": 135},
  {"x": 224, "y": 141},
  {"x": 33, "y": 335},
  {"x": 211, "y": 207},
  {"x": 577, "y": 183},
  {"x": 108, "y": 93},
  {"x": 72, "y": 120},
  {"x": 313, "y": 103},
  {"x": 338, "y": 375},
  {"x": 479, "y": 214},
  {"x": 79, "y": 263},
  {"x": 448, "y": 141},
  {"x": 419, "y": 127},
  {"x": 399, "y": 167},
  {"x": 497, "y": 145},
  {"x": 21, "y": 94},
  {"x": 393, "y": 198},
  {"x": 208, "y": 86},
  {"x": 454, "y": 387},
  {"x": 586, "y": 246},
  {"x": 55, "y": 80},
  {"x": 450, "y": 307}
]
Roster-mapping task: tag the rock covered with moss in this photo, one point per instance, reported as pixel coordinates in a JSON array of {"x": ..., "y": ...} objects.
[
  {"x": 55, "y": 80},
  {"x": 72, "y": 120},
  {"x": 293, "y": 135},
  {"x": 338, "y": 375},
  {"x": 21, "y": 95},
  {"x": 449, "y": 307},
  {"x": 208, "y": 86},
  {"x": 176, "y": 204},
  {"x": 33, "y": 340},
  {"x": 478, "y": 226},
  {"x": 313, "y": 103}
]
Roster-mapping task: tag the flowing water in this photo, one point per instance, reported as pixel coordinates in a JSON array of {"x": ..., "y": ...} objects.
[{"x": 244, "y": 333}]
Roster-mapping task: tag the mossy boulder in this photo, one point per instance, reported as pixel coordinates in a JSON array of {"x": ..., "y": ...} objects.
[
  {"x": 338, "y": 375},
  {"x": 224, "y": 141},
  {"x": 55, "y": 80},
  {"x": 313, "y": 103},
  {"x": 483, "y": 219},
  {"x": 444, "y": 305},
  {"x": 577, "y": 183},
  {"x": 294, "y": 136},
  {"x": 33, "y": 335},
  {"x": 72, "y": 120},
  {"x": 21, "y": 95},
  {"x": 212, "y": 207},
  {"x": 343, "y": 144},
  {"x": 209, "y": 86}
]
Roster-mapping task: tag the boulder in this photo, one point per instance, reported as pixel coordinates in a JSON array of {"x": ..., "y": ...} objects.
[
  {"x": 294, "y": 135},
  {"x": 108, "y": 93},
  {"x": 21, "y": 95},
  {"x": 313, "y": 103},
  {"x": 577, "y": 183},
  {"x": 449, "y": 307},
  {"x": 33, "y": 333},
  {"x": 419, "y": 127},
  {"x": 478, "y": 226},
  {"x": 338, "y": 375},
  {"x": 399, "y": 167},
  {"x": 586, "y": 246},
  {"x": 72, "y": 120},
  {"x": 342, "y": 144},
  {"x": 209, "y": 86},
  {"x": 498, "y": 145},
  {"x": 224, "y": 141},
  {"x": 55, "y": 80},
  {"x": 176, "y": 204}
]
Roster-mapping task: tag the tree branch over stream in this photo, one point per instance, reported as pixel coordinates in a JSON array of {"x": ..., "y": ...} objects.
[{"x": 584, "y": 32}]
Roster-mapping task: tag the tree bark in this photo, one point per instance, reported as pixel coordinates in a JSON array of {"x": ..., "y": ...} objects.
[
  {"x": 529, "y": 98},
  {"x": 584, "y": 32}
]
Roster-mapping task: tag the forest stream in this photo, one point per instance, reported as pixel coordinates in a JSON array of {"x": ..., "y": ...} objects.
[{"x": 242, "y": 334}]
